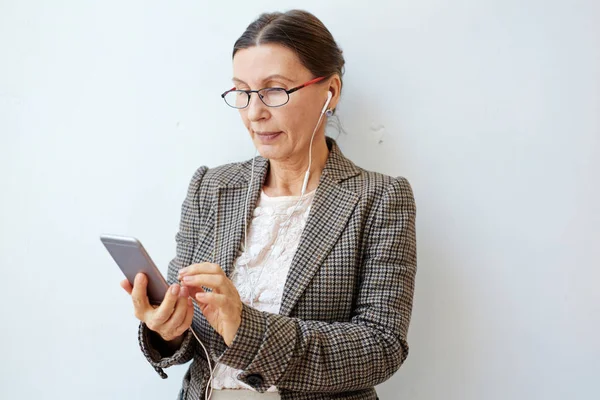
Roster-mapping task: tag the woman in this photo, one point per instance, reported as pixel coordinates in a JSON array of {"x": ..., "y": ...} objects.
[{"x": 302, "y": 282}]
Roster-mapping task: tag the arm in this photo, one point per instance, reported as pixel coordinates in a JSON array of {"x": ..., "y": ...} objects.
[
  {"x": 159, "y": 353},
  {"x": 313, "y": 356}
]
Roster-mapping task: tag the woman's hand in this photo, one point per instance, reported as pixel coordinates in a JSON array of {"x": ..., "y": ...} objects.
[
  {"x": 222, "y": 307},
  {"x": 174, "y": 315}
]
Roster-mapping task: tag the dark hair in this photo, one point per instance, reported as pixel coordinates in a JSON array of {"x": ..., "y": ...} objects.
[{"x": 301, "y": 32}]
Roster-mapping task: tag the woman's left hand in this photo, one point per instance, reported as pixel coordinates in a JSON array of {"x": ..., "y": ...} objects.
[{"x": 222, "y": 307}]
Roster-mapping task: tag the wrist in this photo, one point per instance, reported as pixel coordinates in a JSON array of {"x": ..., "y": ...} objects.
[
  {"x": 164, "y": 346},
  {"x": 228, "y": 339}
]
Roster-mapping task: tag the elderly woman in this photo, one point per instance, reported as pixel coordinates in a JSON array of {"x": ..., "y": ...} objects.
[{"x": 295, "y": 270}]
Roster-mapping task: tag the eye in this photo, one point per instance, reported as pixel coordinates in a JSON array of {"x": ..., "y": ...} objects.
[{"x": 276, "y": 86}]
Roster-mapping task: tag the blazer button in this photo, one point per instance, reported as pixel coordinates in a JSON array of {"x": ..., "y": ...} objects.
[{"x": 255, "y": 380}]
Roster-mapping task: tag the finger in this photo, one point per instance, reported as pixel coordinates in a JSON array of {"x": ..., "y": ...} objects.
[
  {"x": 166, "y": 308},
  {"x": 184, "y": 292},
  {"x": 218, "y": 282},
  {"x": 126, "y": 285},
  {"x": 189, "y": 317},
  {"x": 178, "y": 315},
  {"x": 193, "y": 291},
  {"x": 214, "y": 299},
  {"x": 201, "y": 268},
  {"x": 180, "y": 311},
  {"x": 139, "y": 295}
]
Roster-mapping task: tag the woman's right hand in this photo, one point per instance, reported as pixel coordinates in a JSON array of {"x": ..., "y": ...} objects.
[{"x": 174, "y": 315}]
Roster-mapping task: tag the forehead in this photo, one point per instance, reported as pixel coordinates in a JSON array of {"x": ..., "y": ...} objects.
[{"x": 254, "y": 64}]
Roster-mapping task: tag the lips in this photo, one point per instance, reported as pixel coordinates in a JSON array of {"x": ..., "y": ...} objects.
[
  {"x": 268, "y": 137},
  {"x": 267, "y": 133}
]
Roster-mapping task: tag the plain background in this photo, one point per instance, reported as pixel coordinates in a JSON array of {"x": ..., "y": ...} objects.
[{"x": 490, "y": 108}]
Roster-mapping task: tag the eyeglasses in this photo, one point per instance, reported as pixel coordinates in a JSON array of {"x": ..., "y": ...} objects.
[{"x": 271, "y": 97}]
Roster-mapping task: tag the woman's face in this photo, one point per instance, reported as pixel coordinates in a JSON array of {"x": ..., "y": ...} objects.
[{"x": 279, "y": 133}]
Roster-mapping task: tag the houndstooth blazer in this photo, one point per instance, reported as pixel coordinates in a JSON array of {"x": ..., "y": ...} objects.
[{"x": 348, "y": 296}]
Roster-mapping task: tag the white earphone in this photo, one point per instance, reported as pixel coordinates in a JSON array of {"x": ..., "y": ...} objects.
[
  {"x": 329, "y": 96},
  {"x": 209, "y": 389},
  {"x": 306, "y": 175},
  {"x": 323, "y": 111}
]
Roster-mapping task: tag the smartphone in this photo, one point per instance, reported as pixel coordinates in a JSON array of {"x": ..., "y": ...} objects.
[{"x": 132, "y": 258}]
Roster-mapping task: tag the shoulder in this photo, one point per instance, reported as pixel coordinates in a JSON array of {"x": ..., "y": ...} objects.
[
  {"x": 370, "y": 186},
  {"x": 375, "y": 188},
  {"x": 208, "y": 178}
]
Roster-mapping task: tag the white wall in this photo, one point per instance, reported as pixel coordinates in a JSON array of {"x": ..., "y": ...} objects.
[{"x": 491, "y": 108}]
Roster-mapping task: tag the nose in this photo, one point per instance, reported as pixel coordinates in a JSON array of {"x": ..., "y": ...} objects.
[{"x": 257, "y": 110}]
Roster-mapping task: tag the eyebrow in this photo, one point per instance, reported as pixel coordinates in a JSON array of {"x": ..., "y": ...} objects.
[{"x": 268, "y": 78}]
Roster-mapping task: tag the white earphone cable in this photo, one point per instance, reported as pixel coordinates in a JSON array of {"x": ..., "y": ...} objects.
[
  {"x": 287, "y": 221},
  {"x": 209, "y": 390}
]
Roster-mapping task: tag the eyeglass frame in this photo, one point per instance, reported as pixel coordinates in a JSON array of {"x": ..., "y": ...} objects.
[{"x": 287, "y": 91}]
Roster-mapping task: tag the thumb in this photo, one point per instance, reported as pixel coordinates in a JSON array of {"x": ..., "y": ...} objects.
[{"x": 139, "y": 293}]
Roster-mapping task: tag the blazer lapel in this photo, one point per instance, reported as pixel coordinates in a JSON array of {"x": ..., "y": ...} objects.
[
  {"x": 330, "y": 211},
  {"x": 230, "y": 218},
  {"x": 331, "y": 208}
]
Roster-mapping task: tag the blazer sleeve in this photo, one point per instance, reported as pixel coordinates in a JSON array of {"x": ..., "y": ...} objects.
[
  {"x": 313, "y": 356},
  {"x": 186, "y": 237}
]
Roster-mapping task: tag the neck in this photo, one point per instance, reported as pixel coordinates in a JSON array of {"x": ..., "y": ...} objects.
[{"x": 285, "y": 178}]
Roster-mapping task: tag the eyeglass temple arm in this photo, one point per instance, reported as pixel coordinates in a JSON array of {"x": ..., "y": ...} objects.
[
  {"x": 227, "y": 91},
  {"x": 306, "y": 84}
]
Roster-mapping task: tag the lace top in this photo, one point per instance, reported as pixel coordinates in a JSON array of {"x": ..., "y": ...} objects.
[{"x": 260, "y": 270}]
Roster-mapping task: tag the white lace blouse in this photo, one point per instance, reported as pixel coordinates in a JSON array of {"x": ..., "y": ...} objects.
[{"x": 260, "y": 270}]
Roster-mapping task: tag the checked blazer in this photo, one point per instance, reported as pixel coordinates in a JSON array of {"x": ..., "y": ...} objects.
[{"x": 347, "y": 301}]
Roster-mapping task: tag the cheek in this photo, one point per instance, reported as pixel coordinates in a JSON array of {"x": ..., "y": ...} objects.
[
  {"x": 303, "y": 124},
  {"x": 296, "y": 121},
  {"x": 245, "y": 120}
]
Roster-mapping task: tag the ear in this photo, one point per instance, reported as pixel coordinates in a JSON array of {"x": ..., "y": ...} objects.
[{"x": 335, "y": 87}]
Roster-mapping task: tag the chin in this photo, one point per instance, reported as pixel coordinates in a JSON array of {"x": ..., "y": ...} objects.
[
  {"x": 272, "y": 151},
  {"x": 268, "y": 151}
]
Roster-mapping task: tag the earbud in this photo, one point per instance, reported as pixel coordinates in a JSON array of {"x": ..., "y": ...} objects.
[{"x": 329, "y": 96}]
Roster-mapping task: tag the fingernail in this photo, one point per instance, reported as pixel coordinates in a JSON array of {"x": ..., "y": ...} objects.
[
  {"x": 175, "y": 289},
  {"x": 184, "y": 292},
  {"x": 182, "y": 271},
  {"x": 200, "y": 295},
  {"x": 187, "y": 278}
]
